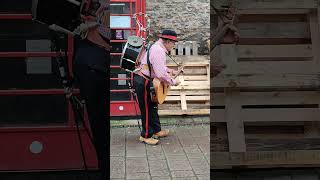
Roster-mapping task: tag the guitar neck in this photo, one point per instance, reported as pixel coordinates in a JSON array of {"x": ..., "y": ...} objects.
[{"x": 175, "y": 76}]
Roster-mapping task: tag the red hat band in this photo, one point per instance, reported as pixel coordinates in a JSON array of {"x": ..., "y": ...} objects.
[{"x": 169, "y": 37}]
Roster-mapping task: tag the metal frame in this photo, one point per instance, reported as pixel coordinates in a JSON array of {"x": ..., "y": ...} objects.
[
  {"x": 126, "y": 108},
  {"x": 61, "y": 150}
]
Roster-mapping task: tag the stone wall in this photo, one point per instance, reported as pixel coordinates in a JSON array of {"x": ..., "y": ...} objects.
[{"x": 190, "y": 19}]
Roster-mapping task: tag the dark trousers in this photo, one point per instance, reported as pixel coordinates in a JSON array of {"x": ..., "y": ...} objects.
[
  {"x": 94, "y": 88},
  {"x": 149, "y": 110}
]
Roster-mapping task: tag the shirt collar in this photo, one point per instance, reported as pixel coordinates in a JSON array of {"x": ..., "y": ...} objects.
[{"x": 160, "y": 42}]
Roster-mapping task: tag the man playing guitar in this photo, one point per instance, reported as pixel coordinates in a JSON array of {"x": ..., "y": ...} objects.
[{"x": 149, "y": 110}]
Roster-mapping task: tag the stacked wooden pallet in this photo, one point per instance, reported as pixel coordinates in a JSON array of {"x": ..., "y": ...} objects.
[
  {"x": 192, "y": 96},
  {"x": 265, "y": 104},
  {"x": 187, "y": 48}
]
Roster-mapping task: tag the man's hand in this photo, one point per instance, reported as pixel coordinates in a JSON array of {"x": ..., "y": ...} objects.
[
  {"x": 174, "y": 72},
  {"x": 179, "y": 71}
]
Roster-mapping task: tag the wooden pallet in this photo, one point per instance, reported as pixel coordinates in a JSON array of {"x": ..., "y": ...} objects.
[
  {"x": 192, "y": 96},
  {"x": 265, "y": 104}
]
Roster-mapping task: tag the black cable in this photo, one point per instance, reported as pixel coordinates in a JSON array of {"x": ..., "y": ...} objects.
[
  {"x": 75, "y": 104},
  {"x": 135, "y": 99},
  {"x": 78, "y": 115},
  {"x": 68, "y": 87}
]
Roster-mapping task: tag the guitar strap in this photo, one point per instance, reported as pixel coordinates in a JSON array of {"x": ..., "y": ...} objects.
[
  {"x": 148, "y": 59},
  {"x": 152, "y": 90}
]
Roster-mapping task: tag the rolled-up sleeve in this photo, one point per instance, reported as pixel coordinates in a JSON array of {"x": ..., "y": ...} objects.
[{"x": 158, "y": 61}]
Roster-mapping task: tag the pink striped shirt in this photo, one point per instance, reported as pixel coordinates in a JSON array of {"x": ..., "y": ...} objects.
[{"x": 157, "y": 57}]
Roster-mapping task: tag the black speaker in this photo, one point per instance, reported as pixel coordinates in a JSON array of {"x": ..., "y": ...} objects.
[{"x": 62, "y": 15}]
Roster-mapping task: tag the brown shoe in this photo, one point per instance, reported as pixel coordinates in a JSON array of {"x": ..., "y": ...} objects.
[
  {"x": 150, "y": 141},
  {"x": 162, "y": 133}
]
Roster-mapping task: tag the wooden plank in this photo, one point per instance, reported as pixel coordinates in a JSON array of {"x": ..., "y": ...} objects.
[
  {"x": 187, "y": 112},
  {"x": 264, "y": 115},
  {"x": 315, "y": 37},
  {"x": 275, "y": 158},
  {"x": 274, "y": 51},
  {"x": 191, "y": 87},
  {"x": 197, "y": 64},
  {"x": 225, "y": 176},
  {"x": 196, "y": 78},
  {"x": 277, "y": 143},
  {"x": 308, "y": 176},
  {"x": 221, "y": 132},
  {"x": 276, "y": 135},
  {"x": 195, "y": 71},
  {"x": 229, "y": 57},
  {"x": 195, "y": 83},
  {"x": 190, "y": 92},
  {"x": 235, "y": 124},
  {"x": 171, "y": 105},
  {"x": 275, "y": 123},
  {"x": 218, "y": 99},
  {"x": 274, "y": 41},
  {"x": 183, "y": 98},
  {"x": 274, "y": 67},
  {"x": 270, "y": 4},
  {"x": 217, "y": 115},
  {"x": 188, "y": 98},
  {"x": 253, "y": 18},
  {"x": 271, "y": 98},
  {"x": 276, "y": 174},
  {"x": 312, "y": 129},
  {"x": 274, "y": 30},
  {"x": 267, "y": 80},
  {"x": 281, "y": 114},
  {"x": 208, "y": 73}
]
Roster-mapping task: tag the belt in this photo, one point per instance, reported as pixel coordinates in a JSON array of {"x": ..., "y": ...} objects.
[
  {"x": 142, "y": 75},
  {"x": 145, "y": 67}
]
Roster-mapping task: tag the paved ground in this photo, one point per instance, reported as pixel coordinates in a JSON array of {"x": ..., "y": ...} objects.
[{"x": 183, "y": 155}]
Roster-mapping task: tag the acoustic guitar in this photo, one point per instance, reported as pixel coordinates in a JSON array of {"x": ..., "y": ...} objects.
[{"x": 161, "y": 89}]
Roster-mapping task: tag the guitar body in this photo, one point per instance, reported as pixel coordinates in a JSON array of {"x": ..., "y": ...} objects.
[{"x": 161, "y": 90}]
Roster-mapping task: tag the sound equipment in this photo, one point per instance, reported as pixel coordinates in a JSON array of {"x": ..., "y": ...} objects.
[
  {"x": 131, "y": 53},
  {"x": 64, "y": 15}
]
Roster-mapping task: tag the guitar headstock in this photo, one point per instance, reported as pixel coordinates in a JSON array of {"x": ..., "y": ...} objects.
[{"x": 181, "y": 68}]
